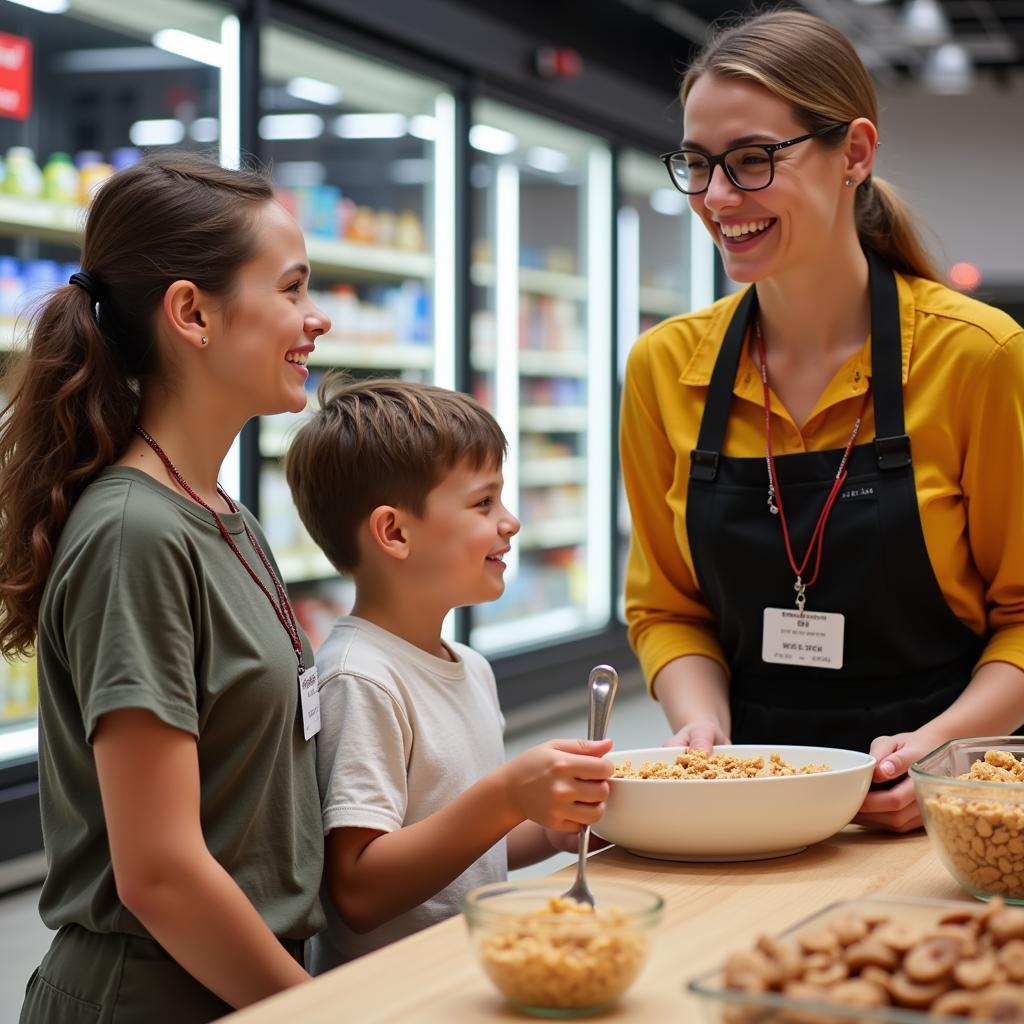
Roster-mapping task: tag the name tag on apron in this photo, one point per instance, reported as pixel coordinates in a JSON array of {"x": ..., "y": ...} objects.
[
  {"x": 813, "y": 639},
  {"x": 309, "y": 695}
]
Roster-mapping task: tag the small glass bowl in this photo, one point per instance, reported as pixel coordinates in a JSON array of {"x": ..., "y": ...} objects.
[
  {"x": 569, "y": 964},
  {"x": 976, "y": 827}
]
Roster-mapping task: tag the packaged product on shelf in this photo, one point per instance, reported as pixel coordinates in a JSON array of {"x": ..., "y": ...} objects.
[
  {"x": 40, "y": 278},
  {"x": 409, "y": 232},
  {"x": 315, "y": 209},
  {"x": 60, "y": 179},
  {"x": 18, "y": 694},
  {"x": 22, "y": 176},
  {"x": 92, "y": 172},
  {"x": 561, "y": 260},
  {"x": 124, "y": 157},
  {"x": 344, "y": 215},
  {"x": 387, "y": 228},
  {"x": 363, "y": 226},
  {"x": 12, "y": 287}
]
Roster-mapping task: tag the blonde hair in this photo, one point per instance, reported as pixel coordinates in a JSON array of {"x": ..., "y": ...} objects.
[{"x": 815, "y": 69}]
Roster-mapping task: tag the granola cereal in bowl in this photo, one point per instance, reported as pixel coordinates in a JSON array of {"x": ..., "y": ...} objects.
[
  {"x": 741, "y": 802},
  {"x": 553, "y": 957},
  {"x": 971, "y": 794}
]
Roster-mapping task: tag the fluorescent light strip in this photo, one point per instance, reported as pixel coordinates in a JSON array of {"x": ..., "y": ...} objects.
[
  {"x": 230, "y": 126},
  {"x": 313, "y": 90},
  {"x": 489, "y": 139},
  {"x": 628, "y": 222},
  {"x": 668, "y": 201},
  {"x": 159, "y": 132},
  {"x": 506, "y": 314},
  {"x": 370, "y": 126},
  {"x": 543, "y": 158},
  {"x": 291, "y": 126},
  {"x": 187, "y": 44},
  {"x": 423, "y": 126},
  {"x": 444, "y": 241},
  {"x": 44, "y": 6},
  {"x": 599, "y": 384}
]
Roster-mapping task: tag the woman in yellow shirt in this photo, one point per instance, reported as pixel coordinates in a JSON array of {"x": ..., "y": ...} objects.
[{"x": 826, "y": 471}]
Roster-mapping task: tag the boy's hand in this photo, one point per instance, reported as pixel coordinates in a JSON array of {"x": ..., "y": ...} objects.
[
  {"x": 561, "y": 784},
  {"x": 569, "y": 842}
]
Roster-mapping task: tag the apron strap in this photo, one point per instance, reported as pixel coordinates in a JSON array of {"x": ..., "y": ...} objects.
[
  {"x": 704, "y": 458},
  {"x": 892, "y": 445}
]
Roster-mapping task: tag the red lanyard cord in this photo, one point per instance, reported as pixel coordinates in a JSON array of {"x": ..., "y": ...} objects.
[
  {"x": 282, "y": 606},
  {"x": 816, "y": 543}
]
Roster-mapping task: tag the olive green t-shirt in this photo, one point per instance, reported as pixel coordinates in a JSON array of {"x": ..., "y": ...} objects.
[{"x": 147, "y": 607}]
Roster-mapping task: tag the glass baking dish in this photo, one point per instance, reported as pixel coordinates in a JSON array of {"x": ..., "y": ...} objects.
[{"x": 721, "y": 1005}]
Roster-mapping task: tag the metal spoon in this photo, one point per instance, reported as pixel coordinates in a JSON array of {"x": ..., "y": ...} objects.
[{"x": 604, "y": 683}]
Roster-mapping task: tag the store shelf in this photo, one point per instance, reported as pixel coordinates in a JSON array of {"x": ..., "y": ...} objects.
[
  {"x": 370, "y": 261},
  {"x": 554, "y": 533},
  {"x": 540, "y": 363},
  {"x": 662, "y": 301},
  {"x": 545, "y": 472},
  {"x": 371, "y": 355},
  {"x": 570, "y": 419},
  {"x": 56, "y": 222},
  {"x": 538, "y": 282},
  {"x": 298, "y": 566}
]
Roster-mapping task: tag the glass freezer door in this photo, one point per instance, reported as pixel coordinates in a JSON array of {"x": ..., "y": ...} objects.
[
  {"x": 666, "y": 266},
  {"x": 100, "y": 84},
  {"x": 541, "y": 360},
  {"x": 363, "y": 153}
]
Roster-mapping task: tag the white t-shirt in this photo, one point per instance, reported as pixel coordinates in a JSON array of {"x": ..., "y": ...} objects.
[{"x": 403, "y": 734}]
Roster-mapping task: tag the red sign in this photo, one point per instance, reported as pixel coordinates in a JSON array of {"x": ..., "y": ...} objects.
[{"x": 15, "y": 77}]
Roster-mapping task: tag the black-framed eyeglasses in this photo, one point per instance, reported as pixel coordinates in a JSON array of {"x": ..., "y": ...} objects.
[{"x": 750, "y": 167}]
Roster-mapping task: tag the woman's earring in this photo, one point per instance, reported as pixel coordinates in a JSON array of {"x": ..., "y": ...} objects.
[
  {"x": 206, "y": 340},
  {"x": 850, "y": 181}
]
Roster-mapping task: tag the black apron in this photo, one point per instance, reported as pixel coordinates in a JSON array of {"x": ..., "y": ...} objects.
[{"x": 906, "y": 656}]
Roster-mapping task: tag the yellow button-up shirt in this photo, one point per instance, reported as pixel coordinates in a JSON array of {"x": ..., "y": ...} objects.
[{"x": 963, "y": 387}]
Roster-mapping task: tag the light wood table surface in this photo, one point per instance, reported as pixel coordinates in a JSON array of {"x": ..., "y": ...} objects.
[{"x": 433, "y": 978}]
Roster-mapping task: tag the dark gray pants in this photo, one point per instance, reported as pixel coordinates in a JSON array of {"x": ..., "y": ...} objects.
[{"x": 92, "y": 978}]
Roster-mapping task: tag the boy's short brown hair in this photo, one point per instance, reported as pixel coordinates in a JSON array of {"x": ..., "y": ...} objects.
[{"x": 380, "y": 442}]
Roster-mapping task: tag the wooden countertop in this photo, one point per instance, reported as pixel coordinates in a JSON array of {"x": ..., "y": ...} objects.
[{"x": 709, "y": 909}]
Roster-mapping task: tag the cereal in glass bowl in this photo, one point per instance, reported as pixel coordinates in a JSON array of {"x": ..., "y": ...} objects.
[{"x": 553, "y": 957}]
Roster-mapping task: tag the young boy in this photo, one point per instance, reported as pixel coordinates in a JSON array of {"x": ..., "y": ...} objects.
[{"x": 400, "y": 485}]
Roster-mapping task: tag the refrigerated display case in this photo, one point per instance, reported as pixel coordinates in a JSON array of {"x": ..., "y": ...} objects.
[
  {"x": 363, "y": 155},
  {"x": 85, "y": 93},
  {"x": 665, "y": 267},
  {"x": 541, "y": 358}
]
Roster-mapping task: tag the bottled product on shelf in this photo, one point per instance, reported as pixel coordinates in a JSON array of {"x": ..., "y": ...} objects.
[
  {"x": 23, "y": 283},
  {"x": 22, "y": 176},
  {"x": 324, "y": 212},
  {"x": 383, "y": 314},
  {"x": 18, "y": 695}
]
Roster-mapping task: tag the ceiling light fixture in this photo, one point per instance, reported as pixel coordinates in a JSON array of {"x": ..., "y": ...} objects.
[
  {"x": 157, "y": 132},
  {"x": 187, "y": 44},
  {"x": 291, "y": 126},
  {"x": 313, "y": 90},
  {"x": 370, "y": 126},
  {"x": 948, "y": 70},
  {"x": 924, "y": 23},
  {"x": 489, "y": 139}
]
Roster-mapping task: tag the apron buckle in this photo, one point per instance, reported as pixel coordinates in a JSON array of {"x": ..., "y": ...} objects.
[
  {"x": 893, "y": 452},
  {"x": 703, "y": 465}
]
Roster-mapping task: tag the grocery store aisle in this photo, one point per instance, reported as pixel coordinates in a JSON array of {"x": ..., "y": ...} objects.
[{"x": 636, "y": 722}]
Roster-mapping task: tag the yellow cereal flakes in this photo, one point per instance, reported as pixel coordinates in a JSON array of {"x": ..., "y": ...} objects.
[
  {"x": 696, "y": 764},
  {"x": 565, "y": 955}
]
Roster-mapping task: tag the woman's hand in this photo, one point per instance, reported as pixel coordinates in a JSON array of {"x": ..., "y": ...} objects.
[
  {"x": 700, "y": 735},
  {"x": 895, "y": 809}
]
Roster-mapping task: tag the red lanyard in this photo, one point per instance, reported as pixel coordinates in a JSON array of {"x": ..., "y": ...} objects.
[
  {"x": 282, "y": 607},
  {"x": 775, "y": 490}
]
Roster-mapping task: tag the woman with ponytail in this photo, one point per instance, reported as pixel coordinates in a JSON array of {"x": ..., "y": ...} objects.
[
  {"x": 177, "y": 783},
  {"x": 825, "y": 470}
]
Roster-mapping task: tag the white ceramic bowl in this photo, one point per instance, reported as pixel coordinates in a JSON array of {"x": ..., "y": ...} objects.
[{"x": 735, "y": 819}]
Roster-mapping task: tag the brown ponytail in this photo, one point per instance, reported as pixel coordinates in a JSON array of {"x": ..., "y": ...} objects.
[
  {"x": 813, "y": 67},
  {"x": 74, "y": 395}
]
